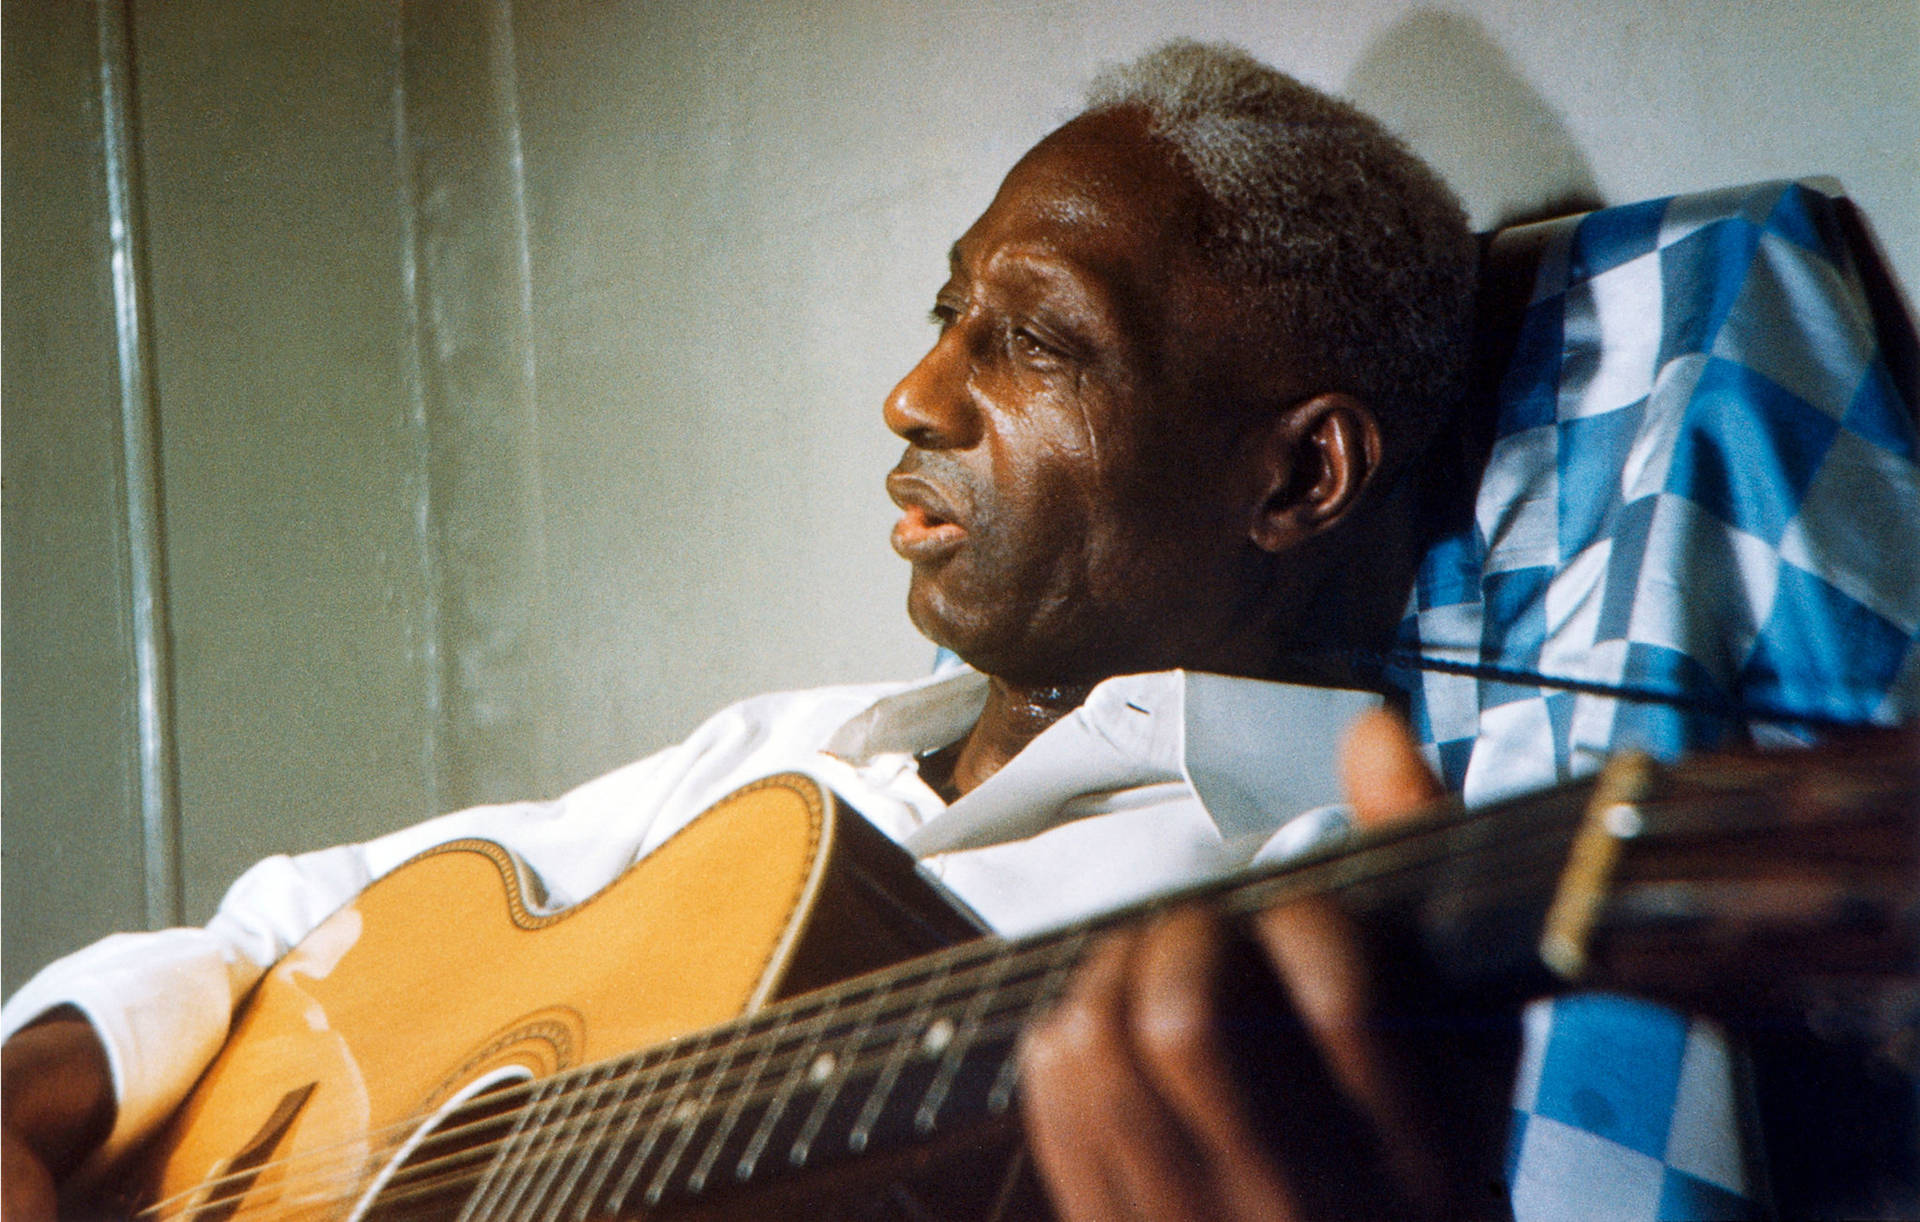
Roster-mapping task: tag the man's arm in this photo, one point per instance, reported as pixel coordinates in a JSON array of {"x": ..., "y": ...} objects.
[
  {"x": 1134, "y": 1110},
  {"x": 56, "y": 1107}
]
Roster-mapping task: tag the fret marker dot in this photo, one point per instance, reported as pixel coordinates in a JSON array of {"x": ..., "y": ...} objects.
[
  {"x": 938, "y": 1035},
  {"x": 821, "y": 1069}
]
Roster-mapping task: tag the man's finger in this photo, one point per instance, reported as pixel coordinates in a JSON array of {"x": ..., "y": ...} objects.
[
  {"x": 1176, "y": 1016},
  {"x": 1107, "y": 1147},
  {"x": 1316, "y": 952}
]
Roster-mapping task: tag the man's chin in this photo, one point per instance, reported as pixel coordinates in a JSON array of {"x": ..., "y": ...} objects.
[
  {"x": 992, "y": 649},
  {"x": 976, "y": 640}
]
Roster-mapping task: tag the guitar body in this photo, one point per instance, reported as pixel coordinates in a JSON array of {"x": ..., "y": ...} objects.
[{"x": 442, "y": 978}]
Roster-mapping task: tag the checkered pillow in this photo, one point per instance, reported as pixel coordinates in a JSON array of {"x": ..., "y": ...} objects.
[{"x": 1703, "y": 482}]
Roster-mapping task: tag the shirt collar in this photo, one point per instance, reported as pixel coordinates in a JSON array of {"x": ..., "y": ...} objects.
[
  {"x": 922, "y": 717},
  {"x": 1253, "y": 752}
]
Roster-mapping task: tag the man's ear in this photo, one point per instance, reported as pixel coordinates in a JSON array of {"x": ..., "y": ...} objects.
[{"x": 1317, "y": 457}]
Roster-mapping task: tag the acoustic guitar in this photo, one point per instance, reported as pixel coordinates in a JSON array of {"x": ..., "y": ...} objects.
[{"x": 771, "y": 1016}]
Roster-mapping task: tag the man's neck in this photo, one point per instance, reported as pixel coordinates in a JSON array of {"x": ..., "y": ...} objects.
[{"x": 1013, "y": 717}]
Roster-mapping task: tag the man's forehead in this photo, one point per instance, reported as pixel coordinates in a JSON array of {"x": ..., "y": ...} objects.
[{"x": 1099, "y": 191}]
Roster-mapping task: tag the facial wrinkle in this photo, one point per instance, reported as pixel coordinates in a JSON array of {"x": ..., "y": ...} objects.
[{"x": 1086, "y": 422}]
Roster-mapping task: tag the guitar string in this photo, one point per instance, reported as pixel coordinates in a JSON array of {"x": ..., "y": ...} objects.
[
  {"x": 519, "y": 1135},
  {"x": 837, "y": 1076},
  {"x": 790, "y": 1081},
  {"x": 661, "y": 1116},
  {"x": 648, "y": 1081},
  {"x": 558, "y": 1178},
  {"x": 528, "y": 1162},
  {"x": 736, "y": 1106},
  {"x": 710, "y": 1082},
  {"x": 580, "y": 1145},
  {"x": 974, "y": 950},
  {"x": 912, "y": 1032}
]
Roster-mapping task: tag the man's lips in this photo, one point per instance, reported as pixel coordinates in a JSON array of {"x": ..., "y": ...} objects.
[{"x": 929, "y": 529}]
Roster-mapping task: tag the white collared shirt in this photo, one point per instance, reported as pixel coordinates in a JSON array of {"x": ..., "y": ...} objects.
[{"x": 1157, "y": 781}]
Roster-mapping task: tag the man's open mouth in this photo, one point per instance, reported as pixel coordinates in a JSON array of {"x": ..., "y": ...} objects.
[{"x": 927, "y": 529}]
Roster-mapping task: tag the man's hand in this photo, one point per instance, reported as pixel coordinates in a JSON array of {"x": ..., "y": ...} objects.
[
  {"x": 1134, "y": 1108},
  {"x": 56, "y": 1107}
]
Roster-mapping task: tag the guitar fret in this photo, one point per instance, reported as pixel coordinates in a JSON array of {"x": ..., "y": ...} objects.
[
  {"x": 551, "y": 1112},
  {"x": 615, "y": 1103},
  {"x": 543, "y": 1164},
  {"x": 697, "y": 1181},
  {"x": 1063, "y": 956},
  {"x": 789, "y": 1085},
  {"x": 690, "y": 1124},
  {"x": 452, "y": 1154},
  {"x": 485, "y": 1193},
  {"x": 967, "y": 1031},
  {"x": 839, "y": 1069},
  {"x": 664, "y": 1117},
  {"x": 576, "y": 1154},
  {"x": 644, "y": 1073},
  {"x": 911, "y": 1034}
]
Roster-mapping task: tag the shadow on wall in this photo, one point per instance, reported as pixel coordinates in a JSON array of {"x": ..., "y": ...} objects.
[{"x": 1446, "y": 87}]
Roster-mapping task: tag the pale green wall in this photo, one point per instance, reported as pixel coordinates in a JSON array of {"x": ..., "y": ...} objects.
[
  {"x": 72, "y": 865},
  {"x": 518, "y": 370}
]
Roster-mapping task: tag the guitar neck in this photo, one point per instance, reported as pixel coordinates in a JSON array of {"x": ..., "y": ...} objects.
[{"x": 1714, "y": 888}]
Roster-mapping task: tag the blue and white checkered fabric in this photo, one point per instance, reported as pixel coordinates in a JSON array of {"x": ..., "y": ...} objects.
[{"x": 1703, "y": 482}]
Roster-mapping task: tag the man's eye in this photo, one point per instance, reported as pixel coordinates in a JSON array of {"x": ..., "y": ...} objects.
[
  {"x": 1027, "y": 344},
  {"x": 942, "y": 315}
]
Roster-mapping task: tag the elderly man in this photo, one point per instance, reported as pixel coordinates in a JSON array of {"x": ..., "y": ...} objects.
[{"x": 1158, "y": 457}]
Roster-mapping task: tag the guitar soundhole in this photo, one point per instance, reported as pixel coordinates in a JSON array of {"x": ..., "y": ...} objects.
[{"x": 446, "y": 1158}]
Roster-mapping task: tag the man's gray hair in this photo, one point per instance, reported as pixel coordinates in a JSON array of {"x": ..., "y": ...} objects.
[{"x": 1355, "y": 256}]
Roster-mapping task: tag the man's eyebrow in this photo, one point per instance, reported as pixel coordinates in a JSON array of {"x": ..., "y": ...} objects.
[{"x": 953, "y": 256}]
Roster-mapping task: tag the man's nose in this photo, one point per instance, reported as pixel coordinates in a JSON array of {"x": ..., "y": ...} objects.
[{"x": 932, "y": 407}]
